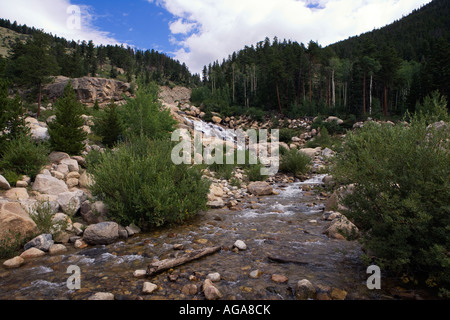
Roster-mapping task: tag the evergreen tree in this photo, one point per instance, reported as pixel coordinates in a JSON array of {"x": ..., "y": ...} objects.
[
  {"x": 32, "y": 64},
  {"x": 109, "y": 126},
  {"x": 65, "y": 131}
]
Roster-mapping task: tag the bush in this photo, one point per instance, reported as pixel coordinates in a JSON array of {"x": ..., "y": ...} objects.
[
  {"x": 287, "y": 134},
  {"x": 322, "y": 140},
  {"x": 140, "y": 184},
  {"x": 24, "y": 157},
  {"x": 42, "y": 215},
  {"x": 295, "y": 162},
  {"x": 253, "y": 173},
  {"x": 11, "y": 244},
  {"x": 400, "y": 199}
]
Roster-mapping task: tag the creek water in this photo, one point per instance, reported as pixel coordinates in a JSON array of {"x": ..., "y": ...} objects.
[{"x": 278, "y": 225}]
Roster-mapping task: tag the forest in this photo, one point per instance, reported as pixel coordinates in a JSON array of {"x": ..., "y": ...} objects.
[{"x": 381, "y": 73}]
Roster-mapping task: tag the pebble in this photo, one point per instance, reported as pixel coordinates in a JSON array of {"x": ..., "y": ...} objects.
[
  {"x": 57, "y": 249},
  {"x": 338, "y": 294},
  {"x": 240, "y": 245},
  {"x": 255, "y": 274},
  {"x": 278, "y": 278},
  {"x": 189, "y": 289},
  {"x": 140, "y": 273},
  {"x": 102, "y": 296},
  {"x": 214, "y": 277},
  {"x": 149, "y": 288}
]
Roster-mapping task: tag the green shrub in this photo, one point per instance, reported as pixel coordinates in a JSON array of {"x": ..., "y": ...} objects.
[
  {"x": 253, "y": 173},
  {"x": 24, "y": 157},
  {"x": 401, "y": 178},
  {"x": 322, "y": 140},
  {"x": 295, "y": 162},
  {"x": 433, "y": 109},
  {"x": 11, "y": 244},
  {"x": 287, "y": 134},
  {"x": 140, "y": 184},
  {"x": 42, "y": 215},
  {"x": 108, "y": 125}
]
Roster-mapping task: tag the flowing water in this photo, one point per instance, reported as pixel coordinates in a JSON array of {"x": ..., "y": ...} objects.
[{"x": 278, "y": 225}]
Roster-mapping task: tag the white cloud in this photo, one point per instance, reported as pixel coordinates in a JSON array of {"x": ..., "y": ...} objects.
[
  {"x": 52, "y": 17},
  {"x": 214, "y": 29}
]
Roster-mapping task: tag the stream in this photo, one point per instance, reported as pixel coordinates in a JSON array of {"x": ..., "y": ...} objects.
[{"x": 278, "y": 225}]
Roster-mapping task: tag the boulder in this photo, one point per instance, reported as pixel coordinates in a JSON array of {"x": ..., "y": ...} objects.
[
  {"x": 311, "y": 152},
  {"x": 102, "y": 296},
  {"x": 4, "y": 184},
  {"x": 49, "y": 185},
  {"x": 149, "y": 288},
  {"x": 216, "y": 120},
  {"x": 32, "y": 253},
  {"x": 56, "y": 157},
  {"x": 216, "y": 204},
  {"x": 260, "y": 188},
  {"x": 101, "y": 233},
  {"x": 333, "y": 118},
  {"x": 342, "y": 229},
  {"x": 13, "y": 263},
  {"x": 93, "y": 213},
  {"x": 57, "y": 249},
  {"x": 71, "y": 164},
  {"x": 42, "y": 242},
  {"x": 70, "y": 202},
  {"x": 15, "y": 220},
  {"x": 86, "y": 180},
  {"x": 17, "y": 194},
  {"x": 305, "y": 290}
]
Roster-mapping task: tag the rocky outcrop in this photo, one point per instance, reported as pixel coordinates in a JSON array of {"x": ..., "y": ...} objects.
[{"x": 90, "y": 89}]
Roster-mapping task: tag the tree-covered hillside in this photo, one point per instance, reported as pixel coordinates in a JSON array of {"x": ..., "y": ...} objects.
[
  {"x": 381, "y": 73},
  {"x": 77, "y": 59}
]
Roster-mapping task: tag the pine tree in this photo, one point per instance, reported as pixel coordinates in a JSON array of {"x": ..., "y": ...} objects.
[
  {"x": 109, "y": 126},
  {"x": 65, "y": 131}
]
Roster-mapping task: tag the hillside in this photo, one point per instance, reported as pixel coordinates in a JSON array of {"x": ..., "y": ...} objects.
[
  {"x": 8, "y": 38},
  {"x": 382, "y": 73}
]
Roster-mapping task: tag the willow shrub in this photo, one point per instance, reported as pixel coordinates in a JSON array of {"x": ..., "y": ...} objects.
[
  {"x": 401, "y": 177},
  {"x": 140, "y": 184}
]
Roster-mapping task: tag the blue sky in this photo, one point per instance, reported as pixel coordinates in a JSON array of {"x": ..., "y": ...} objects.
[{"x": 199, "y": 32}]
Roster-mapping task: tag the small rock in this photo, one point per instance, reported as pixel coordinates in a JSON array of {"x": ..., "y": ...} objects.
[
  {"x": 57, "y": 249},
  {"x": 102, "y": 296},
  {"x": 338, "y": 294},
  {"x": 132, "y": 229},
  {"x": 255, "y": 274},
  {"x": 189, "y": 289},
  {"x": 80, "y": 244},
  {"x": 214, "y": 277},
  {"x": 42, "y": 242},
  {"x": 305, "y": 290},
  {"x": 240, "y": 245},
  {"x": 56, "y": 157},
  {"x": 21, "y": 184},
  {"x": 13, "y": 263},
  {"x": 71, "y": 164},
  {"x": 149, "y": 288},
  {"x": 32, "y": 253},
  {"x": 101, "y": 233},
  {"x": 278, "y": 278},
  {"x": 17, "y": 194},
  {"x": 140, "y": 273},
  {"x": 210, "y": 291},
  {"x": 178, "y": 246}
]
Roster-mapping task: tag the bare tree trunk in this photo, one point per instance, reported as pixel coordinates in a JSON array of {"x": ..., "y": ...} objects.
[
  {"x": 370, "y": 96},
  {"x": 279, "y": 101},
  {"x": 364, "y": 94},
  {"x": 333, "y": 89}
]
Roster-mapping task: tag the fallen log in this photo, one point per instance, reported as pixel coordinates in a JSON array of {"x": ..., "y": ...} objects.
[{"x": 163, "y": 265}]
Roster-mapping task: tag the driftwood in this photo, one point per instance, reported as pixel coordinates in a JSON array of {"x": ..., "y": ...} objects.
[
  {"x": 163, "y": 265},
  {"x": 291, "y": 260}
]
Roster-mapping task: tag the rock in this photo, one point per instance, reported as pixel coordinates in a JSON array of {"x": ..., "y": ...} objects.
[
  {"x": 17, "y": 194},
  {"x": 189, "y": 289},
  {"x": 81, "y": 160},
  {"x": 49, "y": 185},
  {"x": 42, "y": 242},
  {"x": 56, "y": 157},
  {"x": 4, "y": 184},
  {"x": 15, "y": 220},
  {"x": 278, "y": 278},
  {"x": 102, "y": 296},
  {"x": 93, "y": 213},
  {"x": 71, "y": 164},
  {"x": 240, "y": 245},
  {"x": 216, "y": 120},
  {"x": 216, "y": 204},
  {"x": 14, "y": 263},
  {"x": 78, "y": 228},
  {"x": 89, "y": 89},
  {"x": 63, "y": 169},
  {"x": 149, "y": 288},
  {"x": 332, "y": 118},
  {"x": 73, "y": 175},
  {"x": 39, "y": 133},
  {"x": 70, "y": 202},
  {"x": 123, "y": 233},
  {"x": 101, "y": 233},
  {"x": 260, "y": 188},
  {"x": 58, "y": 175},
  {"x": 214, "y": 277},
  {"x": 327, "y": 153},
  {"x": 342, "y": 229},
  {"x": 210, "y": 291},
  {"x": 331, "y": 215},
  {"x": 71, "y": 183},
  {"x": 80, "y": 244},
  {"x": 178, "y": 246},
  {"x": 216, "y": 190},
  {"x": 305, "y": 290},
  {"x": 22, "y": 184},
  {"x": 255, "y": 274},
  {"x": 338, "y": 294},
  {"x": 132, "y": 229},
  {"x": 32, "y": 253},
  {"x": 57, "y": 249},
  {"x": 86, "y": 180},
  {"x": 334, "y": 202},
  {"x": 309, "y": 152},
  {"x": 140, "y": 273}
]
